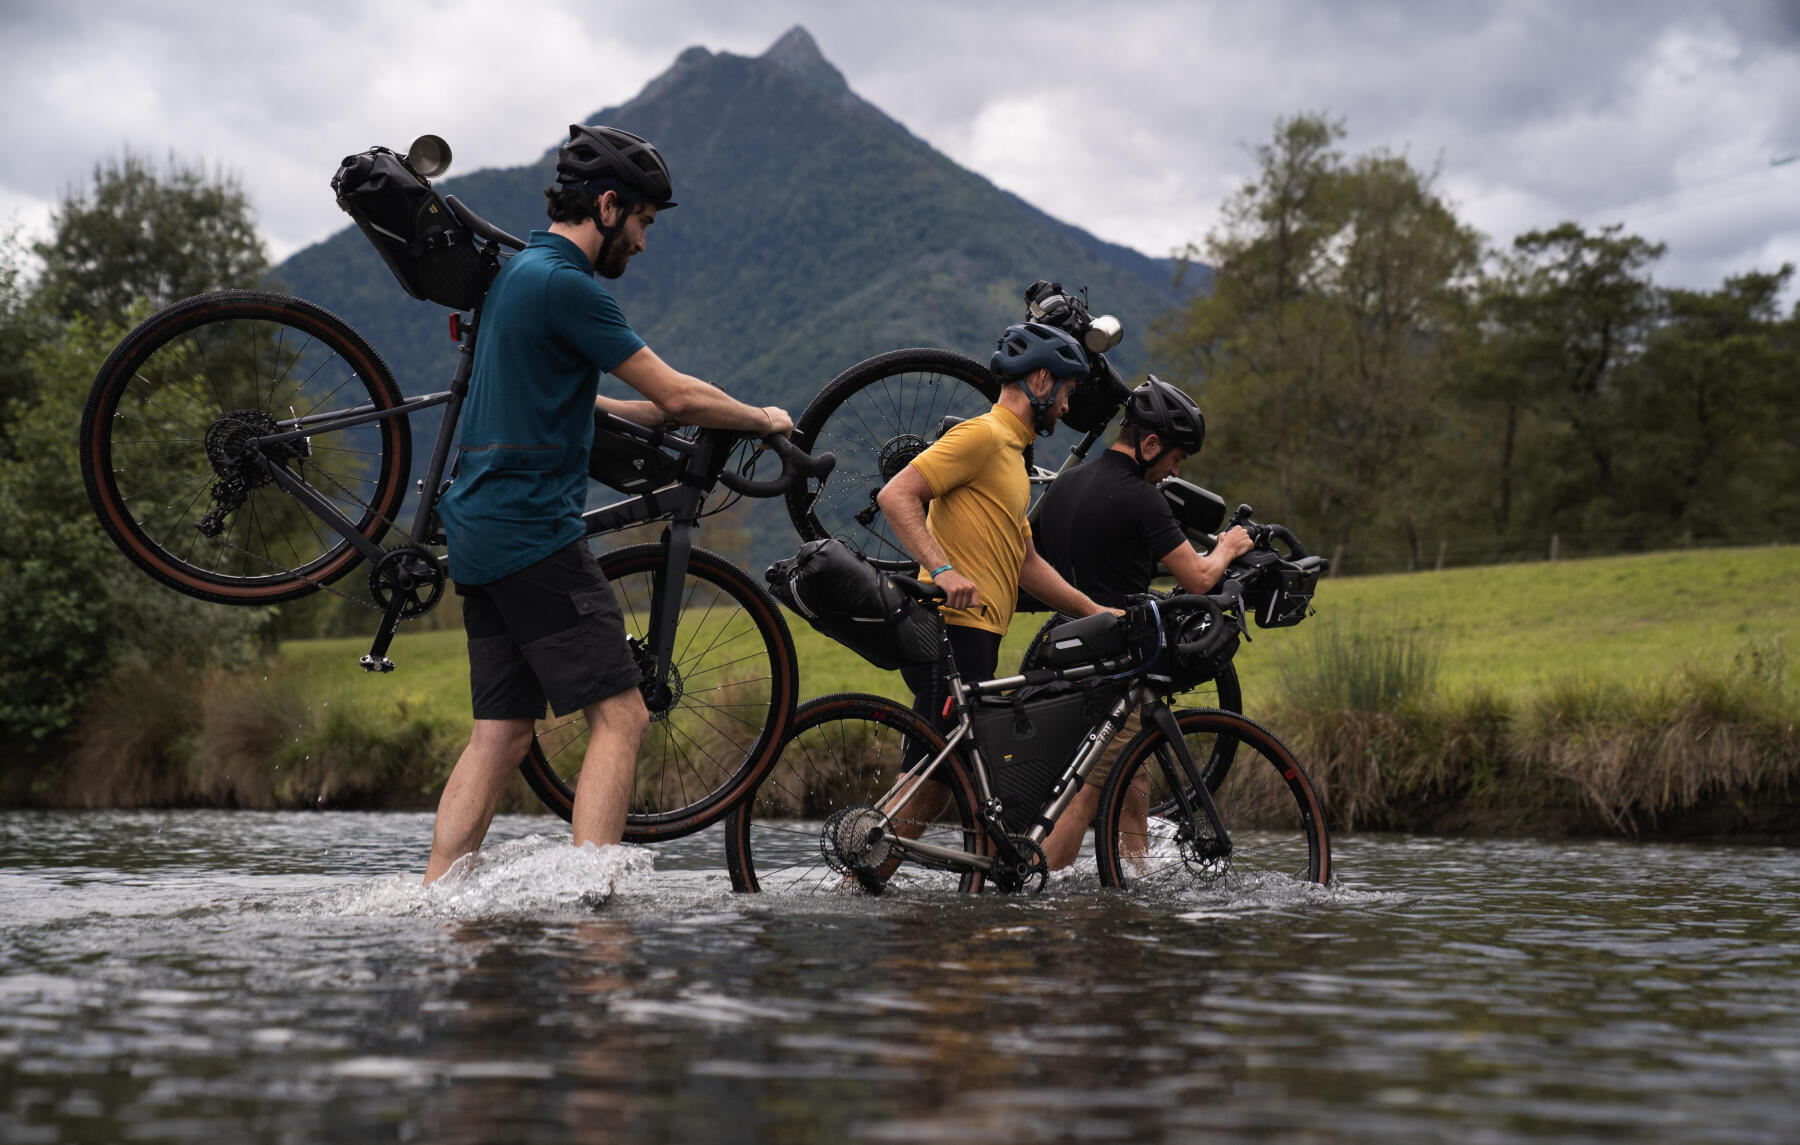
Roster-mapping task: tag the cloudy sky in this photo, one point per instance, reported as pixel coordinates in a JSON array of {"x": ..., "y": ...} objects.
[{"x": 1133, "y": 119}]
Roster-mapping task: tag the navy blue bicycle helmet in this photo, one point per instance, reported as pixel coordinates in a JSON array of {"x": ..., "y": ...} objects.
[
  {"x": 1169, "y": 413},
  {"x": 1032, "y": 346}
]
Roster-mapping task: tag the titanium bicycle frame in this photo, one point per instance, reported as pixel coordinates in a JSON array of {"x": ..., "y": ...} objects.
[{"x": 1139, "y": 697}]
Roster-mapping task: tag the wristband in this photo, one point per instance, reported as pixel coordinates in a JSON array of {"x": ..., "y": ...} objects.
[
  {"x": 941, "y": 570},
  {"x": 770, "y": 418}
]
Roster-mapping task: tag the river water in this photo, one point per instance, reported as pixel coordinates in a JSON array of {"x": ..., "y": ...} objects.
[{"x": 214, "y": 976}]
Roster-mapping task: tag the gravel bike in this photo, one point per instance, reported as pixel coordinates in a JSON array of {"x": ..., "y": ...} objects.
[
  {"x": 867, "y": 794},
  {"x": 248, "y": 447}
]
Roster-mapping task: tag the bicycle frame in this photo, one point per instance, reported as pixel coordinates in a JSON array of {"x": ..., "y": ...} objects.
[
  {"x": 1139, "y": 697},
  {"x": 702, "y": 460}
]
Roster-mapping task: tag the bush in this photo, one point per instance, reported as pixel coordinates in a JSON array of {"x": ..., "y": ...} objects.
[{"x": 1361, "y": 666}]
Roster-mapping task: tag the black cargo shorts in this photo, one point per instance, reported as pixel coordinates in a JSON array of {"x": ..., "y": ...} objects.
[{"x": 550, "y": 632}]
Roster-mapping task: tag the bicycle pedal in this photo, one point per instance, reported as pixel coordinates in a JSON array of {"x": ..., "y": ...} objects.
[{"x": 376, "y": 664}]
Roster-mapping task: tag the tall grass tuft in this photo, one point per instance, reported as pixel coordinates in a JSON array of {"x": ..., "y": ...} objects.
[{"x": 1362, "y": 665}]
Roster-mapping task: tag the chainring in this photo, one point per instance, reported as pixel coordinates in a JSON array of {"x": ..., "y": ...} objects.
[
  {"x": 1032, "y": 868},
  {"x": 413, "y": 574}
]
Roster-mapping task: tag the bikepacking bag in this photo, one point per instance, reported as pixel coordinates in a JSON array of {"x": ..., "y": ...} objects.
[
  {"x": 435, "y": 257},
  {"x": 1029, "y": 737},
  {"x": 837, "y": 591}
]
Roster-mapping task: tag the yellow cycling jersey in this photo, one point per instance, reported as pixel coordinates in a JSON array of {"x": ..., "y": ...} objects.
[{"x": 979, "y": 495}]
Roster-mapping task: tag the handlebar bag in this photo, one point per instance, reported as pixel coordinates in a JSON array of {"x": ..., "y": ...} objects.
[
  {"x": 435, "y": 257},
  {"x": 837, "y": 591}
]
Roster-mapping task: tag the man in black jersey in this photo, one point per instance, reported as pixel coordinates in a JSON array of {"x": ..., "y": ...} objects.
[{"x": 1104, "y": 526}]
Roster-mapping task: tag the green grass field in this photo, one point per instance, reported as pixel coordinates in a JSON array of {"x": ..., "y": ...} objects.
[{"x": 1510, "y": 628}]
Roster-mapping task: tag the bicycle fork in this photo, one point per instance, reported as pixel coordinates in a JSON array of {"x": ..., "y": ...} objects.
[{"x": 1218, "y": 845}]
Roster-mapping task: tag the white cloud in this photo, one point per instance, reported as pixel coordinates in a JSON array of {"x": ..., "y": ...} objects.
[{"x": 1133, "y": 120}]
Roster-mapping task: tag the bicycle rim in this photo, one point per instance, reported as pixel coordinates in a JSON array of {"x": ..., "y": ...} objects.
[
  {"x": 1273, "y": 817},
  {"x": 714, "y": 731},
  {"x": 876, "y": 417},
  {"x": 845, "y": 752},
  {"x": 168, "y": 462}
]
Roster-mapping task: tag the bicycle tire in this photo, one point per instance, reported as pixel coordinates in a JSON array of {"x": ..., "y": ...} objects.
[
  {"x": 877, "y": 416},
  {"x": 700, "y": 755},
  {"x": 161, "y": 431},
  {"x": 1276, "y": 822},
  {"x": 845, "y": 750},
  {"x": 1222, "y": 692}
]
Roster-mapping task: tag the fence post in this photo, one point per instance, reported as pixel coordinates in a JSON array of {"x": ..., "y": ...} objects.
[
  {"x": 1443, "y": 547},
  {"x": 1555, "y": 541}
]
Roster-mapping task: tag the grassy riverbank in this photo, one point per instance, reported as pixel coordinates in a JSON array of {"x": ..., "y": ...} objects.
[{"x": 1620, "y": 695}]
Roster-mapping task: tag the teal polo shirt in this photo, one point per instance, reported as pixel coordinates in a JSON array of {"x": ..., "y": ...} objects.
[{"x": 548, "y": 329}]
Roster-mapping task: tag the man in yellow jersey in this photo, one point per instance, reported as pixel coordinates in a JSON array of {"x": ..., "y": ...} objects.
[{"x": 959, "y": 508}]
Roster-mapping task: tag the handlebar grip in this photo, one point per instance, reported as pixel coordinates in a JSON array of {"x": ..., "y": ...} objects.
[
  {"x": 795, "y": 465},
  {"x": 480, "y": 225},
  {"x": 1296, "y": 550}
]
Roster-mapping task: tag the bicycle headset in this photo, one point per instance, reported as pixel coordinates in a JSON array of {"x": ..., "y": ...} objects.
[
  {"x": 596, "y": 159},
  {"x": 1031, "y": 346},
  {"x": 1169, "y": 413}
]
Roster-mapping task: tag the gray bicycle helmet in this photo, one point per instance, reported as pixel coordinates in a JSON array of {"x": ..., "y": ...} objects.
[
  {"x": 617, "y": 159},
  {"x": 1032, "y": 346},
  {"x": 1169, "y": 413}
]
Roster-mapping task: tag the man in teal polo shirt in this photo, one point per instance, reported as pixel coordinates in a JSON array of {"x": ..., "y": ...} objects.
[{"x": 542, "y": 623}]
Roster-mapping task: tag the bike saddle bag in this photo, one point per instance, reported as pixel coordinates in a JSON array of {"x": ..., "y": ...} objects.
[
  {"x": 1197, "y": 510},
  {"x": 1028, "y": 738},
  {"x": 835, "y": 589},
  {"x": 629, "y": 464},
  {"x": 435, "y": 257}
]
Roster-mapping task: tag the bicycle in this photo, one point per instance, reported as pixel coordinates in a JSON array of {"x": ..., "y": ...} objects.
[
  {"x": 848, "y": 805},
  {"x": 248, "y": 447},
  {"x": 881, "y": 413}
]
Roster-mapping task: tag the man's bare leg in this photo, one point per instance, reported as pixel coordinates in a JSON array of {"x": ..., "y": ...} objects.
[
  {"x": 609, "y": 769},
  {"x": 473, "y": 790},
  {"x": 1064, "y": 842}
]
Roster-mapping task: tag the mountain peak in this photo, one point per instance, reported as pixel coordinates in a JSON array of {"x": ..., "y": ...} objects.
[{"x": 798, "y": 53}]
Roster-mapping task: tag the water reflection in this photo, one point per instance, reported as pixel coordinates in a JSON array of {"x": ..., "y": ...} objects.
[{"x": 193, "y": 976}]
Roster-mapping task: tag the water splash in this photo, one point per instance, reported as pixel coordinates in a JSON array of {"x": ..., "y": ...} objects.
[{"x": 535, "y": 875}]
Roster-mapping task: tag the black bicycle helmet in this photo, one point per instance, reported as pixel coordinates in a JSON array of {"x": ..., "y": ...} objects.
[
  {"x": 1169, "y": 413},
  {"x": 596, "y": 153}
]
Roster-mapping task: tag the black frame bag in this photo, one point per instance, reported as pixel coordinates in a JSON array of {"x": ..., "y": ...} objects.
[
  {"x": 433, "y": 254},
  {"x": 835, "y": 589}
]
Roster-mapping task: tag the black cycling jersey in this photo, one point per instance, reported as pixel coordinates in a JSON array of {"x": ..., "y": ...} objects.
[{"x": 1103, "y": 527}]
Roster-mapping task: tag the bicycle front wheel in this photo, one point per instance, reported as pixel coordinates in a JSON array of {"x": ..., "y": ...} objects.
[
  {"x": 824, "y": 794},
  {"x": 175, "y": 462},
  {"x": 716, "y": 718},
  {"x": 876, "y": 417},
  {"x": 1152, "y": 834}
]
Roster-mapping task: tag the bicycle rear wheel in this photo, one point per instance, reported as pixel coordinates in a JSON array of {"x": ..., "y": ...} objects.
[
  {"x": 876, "y": 417},
  {"x": 170, "y": 453},
  {"x": 842, "y": 754},
  {"x": 715, "y": 728},
  {"x": 1152, "y": 835}
]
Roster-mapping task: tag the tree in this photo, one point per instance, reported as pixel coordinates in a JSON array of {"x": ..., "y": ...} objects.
[
  {"x": 1340, "y": 292},
  {"x": 144, "y": 234},
  {"x": 72, "y": 607}
]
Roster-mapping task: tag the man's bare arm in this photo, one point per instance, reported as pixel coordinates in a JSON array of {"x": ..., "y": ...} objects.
[
  {"x": 1200, "y": 574},
  {"x": 647, "y": 414},
  {"x": 691, "y": 401},
  {"x": 903, "y": 500}
]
